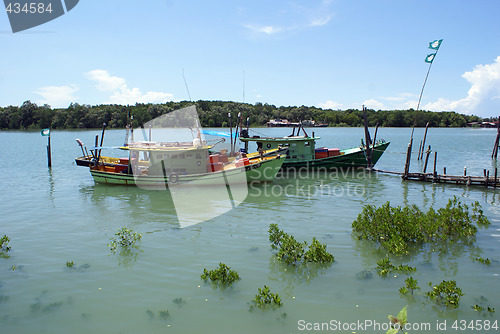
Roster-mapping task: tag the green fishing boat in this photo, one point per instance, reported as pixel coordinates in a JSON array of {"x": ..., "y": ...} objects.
[{"x": 303, "y": 153}]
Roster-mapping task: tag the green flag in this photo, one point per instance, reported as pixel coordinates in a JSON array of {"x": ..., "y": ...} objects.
[
  {"x": 436, "y": 44},
  {"x": 45, "y": 132},
  {"x": 430, "y": 58}
]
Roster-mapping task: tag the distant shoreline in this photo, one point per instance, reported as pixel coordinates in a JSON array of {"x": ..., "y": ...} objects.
[{"x": 214, "y": 114}]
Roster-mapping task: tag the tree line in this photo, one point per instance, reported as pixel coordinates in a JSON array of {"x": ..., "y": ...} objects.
[{"x": 30, "y": 116}]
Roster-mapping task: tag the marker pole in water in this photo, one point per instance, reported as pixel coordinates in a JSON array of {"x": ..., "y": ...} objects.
[
  {"x": 49, "y": 155},
  {"x": 46, "y": 133}
]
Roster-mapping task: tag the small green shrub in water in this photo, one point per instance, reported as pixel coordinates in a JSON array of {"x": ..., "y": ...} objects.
[
  {"x": 265, "y": 299},
  {"x": 69, "y": 264},
  {"x": 164, "y": 314},
  {"x": 396, "y": 228},
  {"x": 385, "y": 267},
  {"x": 222, "y": 276},
  {"x": 411, "y": 285},
  {"x": 4, "y": 249},
  {"x": 290, "y": 251},
  {"x": 446, "y": 293},
  {"x": 125, "y": 238},
  {"x": 483, "y": 261}
]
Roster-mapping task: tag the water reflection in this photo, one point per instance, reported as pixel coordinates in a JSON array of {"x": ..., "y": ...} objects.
[{"x": 292, "y": 275}]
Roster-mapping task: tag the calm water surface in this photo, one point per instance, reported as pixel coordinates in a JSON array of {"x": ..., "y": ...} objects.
[{"x": 58, "y": 215}]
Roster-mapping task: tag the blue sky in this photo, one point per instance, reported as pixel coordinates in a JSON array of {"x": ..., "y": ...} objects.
[{"x": 328, "y": 53}]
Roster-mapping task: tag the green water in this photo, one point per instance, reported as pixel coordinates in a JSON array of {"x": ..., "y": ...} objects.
[{"x": 58, "y": 215}]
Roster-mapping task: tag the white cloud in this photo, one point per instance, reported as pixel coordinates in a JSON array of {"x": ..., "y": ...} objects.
[
  {"x": 268, "y": 30},
  {"x": 483, "y": 97},
  {"x": 331, "y": 105},
  {"x": 316, "y": 15},
  {"x": 134, "y": 95},
  {"x": 374, "y": 104},
  {"x": 57, "y": 96},
  {"x": 320, "y": 21},
  {"x": 120, "y": 93},
  {"x": 105, "y": 82}
]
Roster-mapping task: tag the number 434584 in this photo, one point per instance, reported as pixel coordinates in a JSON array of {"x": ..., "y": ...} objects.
[
  {"x": 475, "y": 325},
  {"x": 29, "y": 8}
]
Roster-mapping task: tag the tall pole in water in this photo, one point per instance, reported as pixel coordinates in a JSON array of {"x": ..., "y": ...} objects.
[
  {"x": 429, "y": 59},
  {"x": 46, "y": 133},
  {"x": 230, "y": 133}
]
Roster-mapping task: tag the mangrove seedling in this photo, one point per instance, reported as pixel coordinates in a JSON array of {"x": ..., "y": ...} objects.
[
  {"x": 265, "y": 299},
  {"x": 163, "y": 314},
  {"x": 398, "y": 322},
  {"x": 483, "y": 261},
  {"x": 411, "y": 285},
  {"x": 125, "y": 238},
  {"x": 69, "y": 264},
  {"x": 385, "y": 266},
  {"x": 291, "y": 252},
  {"x": 397, "y": 229},
  {"x": 446, "y": 293},
  {"x": 222, "y": 276},
  {"x": 4, "y": 249}
]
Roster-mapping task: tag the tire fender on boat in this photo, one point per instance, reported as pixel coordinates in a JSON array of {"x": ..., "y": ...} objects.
[{"x": 173, "y": 178}]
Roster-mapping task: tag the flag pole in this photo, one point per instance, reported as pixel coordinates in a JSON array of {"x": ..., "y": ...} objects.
[{"x": 423, "y": 86}]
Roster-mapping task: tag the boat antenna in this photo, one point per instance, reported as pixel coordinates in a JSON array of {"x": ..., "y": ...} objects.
[
  {"x": 243, "y": 86},
  {"x": 230, "y": 132},
  {"x": 185, "y": 83}
]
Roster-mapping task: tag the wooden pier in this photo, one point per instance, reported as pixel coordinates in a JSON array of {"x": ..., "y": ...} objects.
[{"x": 467, "y": 180}]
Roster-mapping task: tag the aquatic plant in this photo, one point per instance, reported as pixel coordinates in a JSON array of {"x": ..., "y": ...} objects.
[
  {"x": 482, "y": 308},
  {"x": 265, "y": 299},
  {"x": 163, "y": 314},
  {"x": 222, "y": 276},
  {"x": 397, "y": 229},
  {"x": 290, "y": 251},
  {"x": 364, "y": 274},
  {"x": 125, "y": 238},
  {"x": 411, "y": 285},
  {"x": 179, "y": 302},
  {"x": 385, "y": 266},
  {"x": 483, "y": 261},
  {"x": 69, "y": 264},
  {"x": 398, "y": 322},
  {"x": 4, "y": 249},
  {"x": 446, "y": 293}
]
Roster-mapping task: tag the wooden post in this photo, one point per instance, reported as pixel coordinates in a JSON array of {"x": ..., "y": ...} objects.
[
  {"x": 375, "y": 135},
  {"x": 444, "y": 170},
  {"x": 496, "y": 173},
  {"x": 486, "y": 181},
  {"x": 494, "y": 154},
  {"x": 368, "y": 151},
  {"x": 49, "y": 154},
  {"x": 465, "y": 171},
  {"x": 434, "y": 175},
  {"x": 425, "y": 136},
  {"x": 427, "y": 158},
  {"x": 419, "y": 150},
  {"x": 408, "y": 158}
]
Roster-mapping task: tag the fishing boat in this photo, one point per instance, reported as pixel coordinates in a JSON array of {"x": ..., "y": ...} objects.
[
  {"x": 152, "y": 164},
  {"x": 303, "y": 153}
]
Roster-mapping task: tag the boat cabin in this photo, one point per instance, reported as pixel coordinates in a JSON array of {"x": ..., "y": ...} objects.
[{"x": 300, "y": 148}]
